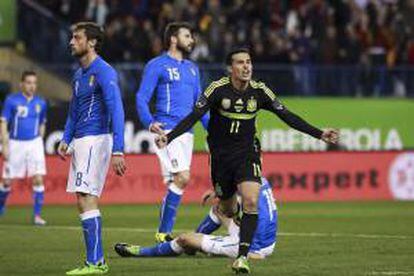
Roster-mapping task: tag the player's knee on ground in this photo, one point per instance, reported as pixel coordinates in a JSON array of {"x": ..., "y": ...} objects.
[
  {"x": 189, "y": 241},
  {"x": 250, "y": 204},
  {"x": 182, "y": 241},
  {"x": 181, "y": 179}
]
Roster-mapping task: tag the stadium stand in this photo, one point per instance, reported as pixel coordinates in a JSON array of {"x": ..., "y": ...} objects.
[{"x": 330, "y": 48}]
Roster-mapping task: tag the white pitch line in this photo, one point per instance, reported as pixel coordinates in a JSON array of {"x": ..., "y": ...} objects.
[
  {"x": 148, "y": 230},
  {"x": 391, "y": 273},
  {"x": 346, "y": 235},
  {"x": 78, "y": 228}
]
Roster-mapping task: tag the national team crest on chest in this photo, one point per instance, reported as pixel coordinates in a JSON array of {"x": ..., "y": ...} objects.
[
  {"x": 91, "y": 80},
  {"x": 251, "y": 104},
  {"x": 38, "y": 108}
]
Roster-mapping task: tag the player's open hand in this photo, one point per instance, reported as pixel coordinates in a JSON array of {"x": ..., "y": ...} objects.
[
  {"x": 118, "y": 164},
  {"x": 330, "y": 136},
  {"x": 161, "y": 141},
  {"x": 62, "y": 150},
  {"x": 157, "y": 128}
]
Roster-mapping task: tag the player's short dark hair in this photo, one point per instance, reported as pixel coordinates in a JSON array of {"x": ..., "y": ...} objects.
[
  {"x": 172, "y": 30},
  {"x": 92, "y": 31},
  {"x": 27, "y": 73},
  {"x": 229, "y": 56}
]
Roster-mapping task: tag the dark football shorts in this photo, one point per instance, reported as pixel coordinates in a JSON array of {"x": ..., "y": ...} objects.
[{"x": 229, "y": 169}]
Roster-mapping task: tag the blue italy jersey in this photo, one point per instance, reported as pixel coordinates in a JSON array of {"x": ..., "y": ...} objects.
[
  {"x": 24, "y": 116},
  {"x": 96, "y": 106},
  {"x": 176, "y": 85},
  {"x": 265, "y": 234}
]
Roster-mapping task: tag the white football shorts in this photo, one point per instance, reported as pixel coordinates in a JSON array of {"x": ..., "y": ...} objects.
[
  {"x": 27, "y": 158},
  {"x": 176, "y": 156},
  {"x": 229, "y": 245},
  {"x": 89, "y": 165}
]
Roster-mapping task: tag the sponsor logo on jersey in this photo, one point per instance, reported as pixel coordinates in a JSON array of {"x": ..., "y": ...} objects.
[
  {"x": 252, "y": 105},
  {"x": 226, "y": 103},
  {"x": 239, "y": 105}
]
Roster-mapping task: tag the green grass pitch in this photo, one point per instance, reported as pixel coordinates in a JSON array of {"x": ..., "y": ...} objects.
[{"x": 359, "y": 238}]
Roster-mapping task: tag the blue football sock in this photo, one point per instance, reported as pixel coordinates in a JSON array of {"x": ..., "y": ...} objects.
[
  {"x": 92, "y": 232},
  {"x": 161, "y": 249},
  {"x": 210, "y": 223},
  {"x": 169, "y": 208},
  {"x": 4, "y": 193},
  {"x": 38, "y": 199}
]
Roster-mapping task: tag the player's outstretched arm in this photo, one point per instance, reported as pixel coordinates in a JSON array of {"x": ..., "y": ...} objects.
[
  {"x": 200, "y": 108},
  {"x": 272, "y": 104},
  {"x": 296, "y": 122},
  {"x": 197, "y": 95}
]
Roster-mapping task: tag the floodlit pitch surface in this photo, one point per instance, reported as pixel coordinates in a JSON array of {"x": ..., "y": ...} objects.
[{"x": 374, "y": 238}]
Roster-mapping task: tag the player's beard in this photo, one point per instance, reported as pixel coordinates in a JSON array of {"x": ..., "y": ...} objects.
[
  {"x": 78, "y": 53},
  {"x": 186, "y": 50}
]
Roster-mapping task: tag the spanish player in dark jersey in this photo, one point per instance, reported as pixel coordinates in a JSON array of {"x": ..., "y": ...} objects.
[{"x": 235, "y": 161}]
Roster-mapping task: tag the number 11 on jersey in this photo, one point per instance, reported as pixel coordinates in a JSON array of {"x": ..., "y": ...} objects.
[{"x": 234, "y": 128}]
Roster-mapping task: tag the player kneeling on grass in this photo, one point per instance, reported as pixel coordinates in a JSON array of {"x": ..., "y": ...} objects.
[{"x": 263, "y": 244}]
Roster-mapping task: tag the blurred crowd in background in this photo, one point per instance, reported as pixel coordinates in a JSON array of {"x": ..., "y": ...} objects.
[
  {"x": 314, "y": 47},
  {"x": 279, "y": 31}
]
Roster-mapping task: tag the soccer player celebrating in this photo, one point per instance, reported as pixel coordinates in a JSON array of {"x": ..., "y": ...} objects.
[
  {"x": 176, "y": 84},
  {"x": 23, "y": 124},
  {"x": 235, "y": 152},
  {"x": 95, "y": 112},
  {"x": 263, "y": 243}
]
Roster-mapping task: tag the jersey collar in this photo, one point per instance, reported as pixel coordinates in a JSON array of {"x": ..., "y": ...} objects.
[
  {"x": 92, "y": 65},
  {"x": 25, "y": 98},
  {"x": 239, "y": 91},
  {"x": 174, "y": 59}
]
